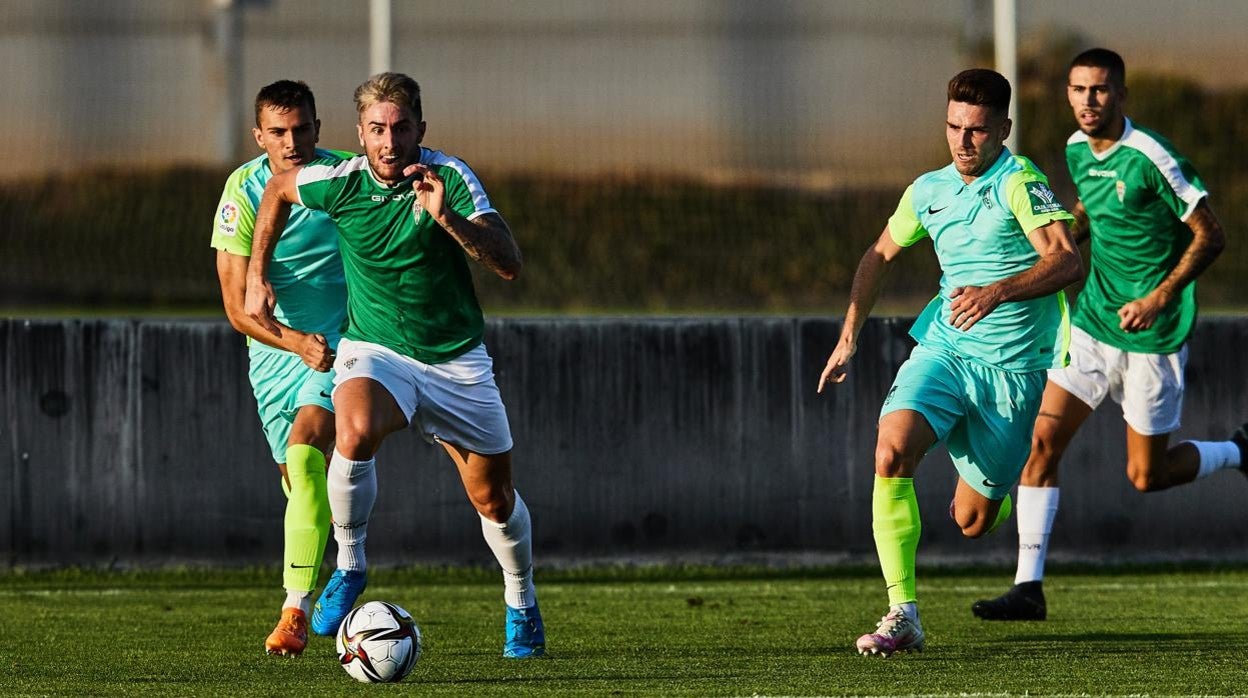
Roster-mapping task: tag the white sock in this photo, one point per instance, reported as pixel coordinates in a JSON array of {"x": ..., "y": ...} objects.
[
  {"x": 352, "y": 491},
  {"x": 1215, "y": 456},
  {"x": 1036, "y": 508},
  {"x": 301, "y": 600},
  {"x": 512, "y": 544}
]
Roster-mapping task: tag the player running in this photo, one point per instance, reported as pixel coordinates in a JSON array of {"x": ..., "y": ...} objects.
[
  {"x": 412, "y": 351},
  {"x": 290, "y": 374},
  {"x": 1153, "y": 232},
  {"x": 975, "y": 379}
]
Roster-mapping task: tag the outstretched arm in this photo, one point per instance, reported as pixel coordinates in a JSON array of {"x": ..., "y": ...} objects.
[
  {"x": 1058, "y": 267},
  {"x": 486, "y": 239},
  {"x": 1208, "y": 240},
  {"x": 868, "y": 280},
  {"x": 279, "y": 194}
]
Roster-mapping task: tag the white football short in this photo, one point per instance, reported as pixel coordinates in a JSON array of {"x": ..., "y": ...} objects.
[
  {"x": 1148, "y": 386},
  {"x": 456, "y": 401}
]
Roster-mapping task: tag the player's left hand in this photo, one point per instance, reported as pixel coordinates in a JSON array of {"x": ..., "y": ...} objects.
[
  {"x": 1140, "y": 314},
  {"x": 971, "y": 304},
  {"x": 430, "y": 190}
]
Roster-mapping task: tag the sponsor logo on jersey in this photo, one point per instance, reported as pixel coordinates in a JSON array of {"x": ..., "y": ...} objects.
[
  {"x": 378, "y": 198},
  {"x": 229, "y": 219},
  {"x": 1111, "y": 174},
  {"x": 1121, "y": 187},
  {"x": 1043, "y": 200}
]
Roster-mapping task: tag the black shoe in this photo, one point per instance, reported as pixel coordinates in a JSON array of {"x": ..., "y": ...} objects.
[
  {"x": 1240, "y": 437},
  {"x": 1022, "y": 602}
]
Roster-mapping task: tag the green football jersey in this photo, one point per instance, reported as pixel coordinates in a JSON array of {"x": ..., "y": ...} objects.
[
  {"x": 1138, "y": 194},
  {"x": 409, "y": 285},
  {"x": 980, "y": 233},
  {"x": 306, "y": 270}
]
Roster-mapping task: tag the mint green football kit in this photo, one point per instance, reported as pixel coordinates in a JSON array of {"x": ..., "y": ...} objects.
[
  {"x": 307, "y": 277},
  {"x": 980, "y": 389}
]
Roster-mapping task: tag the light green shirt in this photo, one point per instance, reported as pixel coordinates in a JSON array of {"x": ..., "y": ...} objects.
[
  {"x": 306, "y": 270},
  {"x": 979, "y": 231}
]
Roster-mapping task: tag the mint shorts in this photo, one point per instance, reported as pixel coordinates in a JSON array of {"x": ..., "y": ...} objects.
[
  {"x": 282, "y": 384},
  {"x": 983, "y": 415}
]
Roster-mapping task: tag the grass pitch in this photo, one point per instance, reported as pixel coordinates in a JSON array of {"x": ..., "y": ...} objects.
[{"x": 627, "y": 632}]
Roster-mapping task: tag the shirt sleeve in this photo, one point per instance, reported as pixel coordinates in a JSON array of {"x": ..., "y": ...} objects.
[
  {"x": 1032, "y": 202},
  {"x": 1175, "y": 181},
  {"x": 904, "y": 226},
  {"x": 321, "y": 182},
  {"x": 235, "y": 221}
]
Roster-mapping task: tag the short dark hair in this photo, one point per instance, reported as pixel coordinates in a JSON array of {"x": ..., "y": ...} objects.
[
  {"x": 981, "y": 87},
  {"x": 285, "y": 95},
  {"x": 1103, "y": 58}
]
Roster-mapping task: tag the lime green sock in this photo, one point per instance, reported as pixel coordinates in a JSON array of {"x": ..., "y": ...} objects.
[
  {"x": 307, "y": 517},
  {"x": 1007, "y": 507},
  {"x": 895, "y": 521}
]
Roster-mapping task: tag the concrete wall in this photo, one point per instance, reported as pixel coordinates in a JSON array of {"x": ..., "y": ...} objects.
[{"x": 138, "y": 442}]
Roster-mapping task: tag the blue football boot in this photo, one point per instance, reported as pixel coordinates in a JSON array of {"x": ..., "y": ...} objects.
[
  {"x": 341, "y": 591},
  {"x": 526, "y": 636}
]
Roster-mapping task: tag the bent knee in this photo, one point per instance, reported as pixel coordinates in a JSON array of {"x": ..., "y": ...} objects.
[
  {"x": 892, "y": 461},
  {"x": 356, "y": 439}
]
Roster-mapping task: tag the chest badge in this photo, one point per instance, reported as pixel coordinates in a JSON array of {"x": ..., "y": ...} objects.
[
  {"x": 1121, "y": 187},
  {"x": 985, "y": 198}
]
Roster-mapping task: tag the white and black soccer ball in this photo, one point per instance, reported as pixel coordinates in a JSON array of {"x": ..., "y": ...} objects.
[{"x": 378, "y": 642}]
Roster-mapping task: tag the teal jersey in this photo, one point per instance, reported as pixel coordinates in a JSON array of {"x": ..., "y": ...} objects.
[
  {"x": 410, "y": 285},
  {"x": 306, "y": 269},
  {"x": 1138, "y": 195},
  {"x": 980, "y": 233}
]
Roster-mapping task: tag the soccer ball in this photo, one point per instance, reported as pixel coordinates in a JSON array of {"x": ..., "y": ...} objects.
[{"x": 378, "y": 642}]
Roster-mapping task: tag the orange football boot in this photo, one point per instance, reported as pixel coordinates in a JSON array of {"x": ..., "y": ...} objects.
[{"x": 290, "y": 636}]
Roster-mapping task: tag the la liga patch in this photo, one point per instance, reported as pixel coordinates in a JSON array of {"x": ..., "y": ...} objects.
[{"x": 228, "y": 219}]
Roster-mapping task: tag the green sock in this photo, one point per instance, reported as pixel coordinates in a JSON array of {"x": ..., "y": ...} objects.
[
  {"x": 895, "y": 521},
  {"x": 307, "y": 517},
  {"x": 1007, "y": 507}
]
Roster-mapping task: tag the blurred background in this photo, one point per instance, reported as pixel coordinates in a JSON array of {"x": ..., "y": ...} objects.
[{"x": 654, "y": 156}]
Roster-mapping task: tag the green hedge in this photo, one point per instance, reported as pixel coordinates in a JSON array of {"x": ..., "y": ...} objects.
[{"x": 597, "y": 245}]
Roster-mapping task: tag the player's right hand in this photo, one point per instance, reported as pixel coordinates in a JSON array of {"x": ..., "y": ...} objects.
[
  {"x": 835, "y": 371},
  {"x": 260, "y": 302},
  {"x": 315, "y": 352}
]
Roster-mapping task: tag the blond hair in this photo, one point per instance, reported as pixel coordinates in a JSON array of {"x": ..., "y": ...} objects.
[{"x": 395, "y": 88}]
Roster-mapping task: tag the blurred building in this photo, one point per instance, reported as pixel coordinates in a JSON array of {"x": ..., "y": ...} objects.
[{"x": 834, "y": 93}]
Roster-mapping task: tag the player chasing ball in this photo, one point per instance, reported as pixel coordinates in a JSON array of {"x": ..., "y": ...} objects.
[
  {"x": 975, "y": 379},
  {"x": 412, "y": 352},
  {"x": 289, "y": 372},
  {"x": 1152, "y": 233}
]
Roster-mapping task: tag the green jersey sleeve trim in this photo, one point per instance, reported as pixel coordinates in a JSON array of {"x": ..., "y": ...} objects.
[
  {"x": 235, "y": 220},
  {"x": 1030, "y": 199},
  {"x": 904, "y": 226},
  {"x": 1182, "y": 189}
]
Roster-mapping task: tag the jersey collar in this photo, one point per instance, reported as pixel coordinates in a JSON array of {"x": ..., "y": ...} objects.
[{"x": 1127, "y": 129}]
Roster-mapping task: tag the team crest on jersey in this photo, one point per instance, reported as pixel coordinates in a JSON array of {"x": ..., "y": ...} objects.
[
  {"x": 228, "y": 216},
  {"x": 1043, "y": 200},
  {"x": 1121, "y": 188},
  {"x": 417, "y": 209},
  {"x": 986, "y": 197}
]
